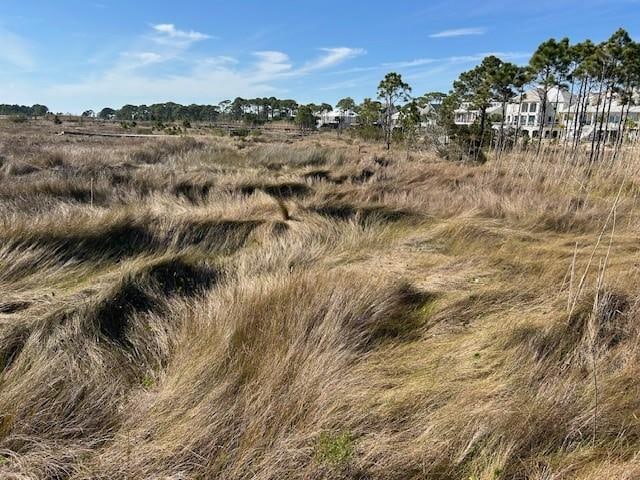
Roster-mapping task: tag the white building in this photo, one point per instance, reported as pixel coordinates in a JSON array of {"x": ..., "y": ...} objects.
[
  {"x": 526, "y": 115},
  {"x": 427, "y": 116},
  {"x": 338, "y": 119}
]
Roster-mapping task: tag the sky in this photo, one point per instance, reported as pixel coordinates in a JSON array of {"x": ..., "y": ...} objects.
[{"x": 74, "y": 55}]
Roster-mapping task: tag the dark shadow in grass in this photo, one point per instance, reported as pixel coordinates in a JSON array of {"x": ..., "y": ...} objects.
[
  {"x": 364, "y": 176},
  {"x": 193, "y": 192},
  {"x": 318, "y": 175},
  {"x": 287, "y": 190},
  {"x": 112, "y": 315},
  {"x": 11, "y": 346},
  {"x": 410, "y": 312},
  {"x": 220, "y": 235},
  {"x": 364, "y": 214},
  {"x": 278, "y": 190},
  {"x": 176, "y": 277},
  {"x": 13, "y": 307},
  {"x": 145, "y": 292},
  {"x": 114, "y": 242}
]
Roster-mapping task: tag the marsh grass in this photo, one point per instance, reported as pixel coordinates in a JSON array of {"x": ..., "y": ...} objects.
[{"x": 313, "y": 309}]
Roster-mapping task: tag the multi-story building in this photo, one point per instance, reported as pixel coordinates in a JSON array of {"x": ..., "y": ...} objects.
[{"x": 558, "y": 119}]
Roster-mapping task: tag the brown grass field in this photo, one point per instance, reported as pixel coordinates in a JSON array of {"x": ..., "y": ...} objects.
[{"x": 314, "y": 308}]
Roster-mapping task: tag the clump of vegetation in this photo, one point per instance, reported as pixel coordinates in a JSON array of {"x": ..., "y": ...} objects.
[{"x": 335, "y": 449}]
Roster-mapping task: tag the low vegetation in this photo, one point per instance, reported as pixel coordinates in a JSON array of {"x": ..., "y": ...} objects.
[{"x": 269, "y": 308}]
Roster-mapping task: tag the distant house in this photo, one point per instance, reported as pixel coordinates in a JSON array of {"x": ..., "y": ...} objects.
[
  {"x": 466, "y": 116},
  {"x": 525, "y": 112},
  {"x": 592, "y": 119},
  {"x": 427, "y": 116},
  {"x": 338, "y": 119}
]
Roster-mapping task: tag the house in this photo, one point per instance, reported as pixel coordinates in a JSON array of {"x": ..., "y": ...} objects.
[
  {"x": 525, "y": 114},
  {"x": 466, "y": 116},
  {"x": 338, "y": 119},
  {"x": 592, "y": 121},
  {"x": 427, "y": 116}
]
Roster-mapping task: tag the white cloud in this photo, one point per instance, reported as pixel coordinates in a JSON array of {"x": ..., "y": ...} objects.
[
  {"x": 477, "y": 57},
  {"x": 332, "y": 57},
  {"x": 411, "y": 63},
  {"x": 187, "y": 76},
  {"x": 116, "y": 88},
  {"x": 169, "y": 30},
  {"x": 459, "y": 32},
  {"x": 272, "y": 63},
  {"x": 143, "y": 58},
  {"x": 15, "y": 51}
]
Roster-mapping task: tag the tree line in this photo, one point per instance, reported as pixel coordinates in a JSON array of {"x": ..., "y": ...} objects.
[
  {"x": 608, "y": 71},
  {"x": 256, "y": 110},
  {"x": 33, "y": 111}
]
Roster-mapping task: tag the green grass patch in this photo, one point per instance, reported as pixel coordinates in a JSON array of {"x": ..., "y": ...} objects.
[{"x": 335, "y": 449}]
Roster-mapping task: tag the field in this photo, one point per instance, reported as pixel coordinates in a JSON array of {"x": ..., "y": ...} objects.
[{"x": 303, "y": 308}]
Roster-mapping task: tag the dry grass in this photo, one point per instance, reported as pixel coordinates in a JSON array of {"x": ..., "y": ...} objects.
[{"x": 222, "y": 308}]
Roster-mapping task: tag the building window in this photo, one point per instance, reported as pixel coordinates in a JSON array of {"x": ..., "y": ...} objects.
[
  {"x": 524, "y": 108},
  {"x": 533, "y": 107},
  {"x": 523, "y": 119},
  {"x": 532, "y": 119}
]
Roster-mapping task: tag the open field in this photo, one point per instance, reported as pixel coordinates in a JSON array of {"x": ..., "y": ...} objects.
[{"x": 277, "y": 308}]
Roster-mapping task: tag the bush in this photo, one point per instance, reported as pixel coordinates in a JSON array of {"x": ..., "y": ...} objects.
[
  {"x": 369, "y": 132},
  {"x": 18, "y": 119},
  {"x": 186, "y": 123},
  {"x": 240, "y": 132},
  {"x": 56, "y": 120}
]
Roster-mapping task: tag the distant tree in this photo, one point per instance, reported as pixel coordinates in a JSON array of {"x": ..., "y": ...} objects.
[
  {"x": 410, "y": 123},
  {"x": 39, "y": 110},
  {"x": 127, "y": 113},
  {"x": 346, "y": 104},
  {"x": 370, "y": 111},
  {"x": 504, "y": 82},
  {"x": 391, "y": 90},
  {"x": 548, "y": 65},
  {"x": 431, "y": 98},
  {"x": 305, "y": 117},
  {"x": 474, "y": 87},
  {"x": 107, "y": 114},
  {"x": 88, "y": 114}
]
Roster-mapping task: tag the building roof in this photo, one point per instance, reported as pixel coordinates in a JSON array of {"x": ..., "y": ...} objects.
[
  {"x": 554, "y": 94},
  {"x": 338, "y": 113}
]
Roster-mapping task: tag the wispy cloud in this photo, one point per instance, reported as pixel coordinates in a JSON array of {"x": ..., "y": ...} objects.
[
  {"x": 189, "y": 76},
  {"x": 477, "y": 57},
  {"x": 459, "y": 32},
  {"x": 143, "y": 58},
  {"x": 411, "y": 63},
  {"x": 169, "y": 30},
  {"x": 272, "y": 63},
  {"x": 331, "y": 57},
  {"x": 15, "y": 51}
]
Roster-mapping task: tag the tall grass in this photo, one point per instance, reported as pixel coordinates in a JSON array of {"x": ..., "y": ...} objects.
[{"x": 314, "y": 311}]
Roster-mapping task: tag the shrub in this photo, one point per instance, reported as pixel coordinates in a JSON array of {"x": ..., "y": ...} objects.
[
  {"x": 240, "y": 132},
  {"x": 18, "y": 119}
]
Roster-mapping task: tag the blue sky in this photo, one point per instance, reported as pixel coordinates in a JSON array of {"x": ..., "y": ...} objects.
[{"x": 77, "y": 54}]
